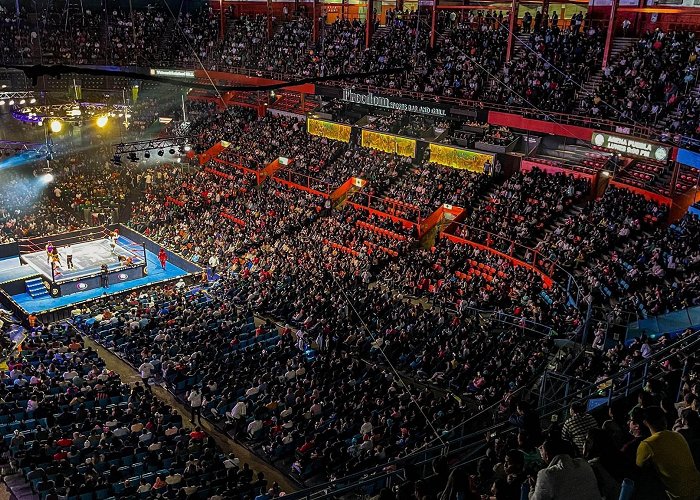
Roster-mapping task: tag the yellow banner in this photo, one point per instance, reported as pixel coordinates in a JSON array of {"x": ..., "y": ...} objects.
[
  {"x": 331, "y": 130},
  {"x": 389, "y": 143},
  {"x": 458, "y": 158}
]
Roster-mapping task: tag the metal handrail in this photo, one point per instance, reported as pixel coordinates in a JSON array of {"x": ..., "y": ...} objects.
[
  {"x": 526, "y": 254},
  {"x": 658, "y": 357}
]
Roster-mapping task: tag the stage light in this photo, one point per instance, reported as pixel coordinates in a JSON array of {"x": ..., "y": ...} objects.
[
  {"x": 188, "y": 147},
  {"x": 160, "y": 153},
  {"x": 11, "y": 103},
  {"x": 2, "y": 103},
  {"x": 32, "y": 101},
  {"x": 133, "y": 158},
  {"x": 117, "y": 160},
  {"x": 102, "y": 121},
  {"x": 172, "y": 151},
  {"x": 147, "y": 155},
  {"x": 22, "y": 101},
  {"x": 56, "y": 126},
  {"x": 47, "y": 178}
]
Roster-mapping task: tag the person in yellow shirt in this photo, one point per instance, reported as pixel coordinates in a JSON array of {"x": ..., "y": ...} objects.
[{"x": 668, "y": 453}]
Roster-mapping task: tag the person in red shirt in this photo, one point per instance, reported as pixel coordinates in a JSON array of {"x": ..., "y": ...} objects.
[
  {"x": 197, "y": 434},
  {"x": 162, "y": 257},
  {"x": 65, "y": 442}
]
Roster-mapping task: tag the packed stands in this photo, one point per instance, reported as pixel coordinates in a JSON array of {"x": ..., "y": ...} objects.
[{"x": 72, "y": 427}]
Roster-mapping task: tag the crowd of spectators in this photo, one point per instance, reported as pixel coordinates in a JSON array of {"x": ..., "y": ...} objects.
[
  {"x": 649, "y": 80},
  {"x": 15, "y": 36},
  {"x": 549, "y": 72},
  {"x": 73, "y": 427},
  {"x": 26, "y": 209},
  {"x": 637, "y": 270},
  {"x": 522, "y": 207},
  {"x": 429, "y": 185}
]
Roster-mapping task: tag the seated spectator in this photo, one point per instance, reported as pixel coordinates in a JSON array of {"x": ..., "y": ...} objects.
[
  {"x": 564, "y": 477},
  {"x": 667, "y": 454}
]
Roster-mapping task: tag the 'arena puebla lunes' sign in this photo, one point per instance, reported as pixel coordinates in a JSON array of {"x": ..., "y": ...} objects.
[{"x": 630, "y": 146}]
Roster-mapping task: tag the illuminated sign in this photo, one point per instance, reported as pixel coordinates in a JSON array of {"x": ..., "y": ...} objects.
[
  {"x": 378, "y": 101},
  {"x": 174, "y": 73},
  {"x": 122, "y": 276},
  {"x": 631, "y": 146},
  {"x": 82, "y": 286}
]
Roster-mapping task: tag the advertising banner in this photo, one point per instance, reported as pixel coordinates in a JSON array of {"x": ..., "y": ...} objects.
[
  {"x": 330, "y": 130},
  {"x": 458, "y": 157}
]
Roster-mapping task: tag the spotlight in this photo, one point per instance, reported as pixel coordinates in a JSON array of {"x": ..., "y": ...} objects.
[
  {"x": 133, "y": 158},
  {"x": 22, "y": 101},
  {"x": 117, "y": 160},
  {"x": 47, "y": 178},
  {"x": 2, "y": 103},
  {"x": 102, "y": 121},
  {"x": 160, "y": 153},
  {"x": 172, "y": 151},
  {"x": 11, "y": 102},
  {"x": 56, "y": 126},
  {"x": 32, "y": 100},
  {"x": 188, "y": 147},
  {"x": 147, "y": 155}
]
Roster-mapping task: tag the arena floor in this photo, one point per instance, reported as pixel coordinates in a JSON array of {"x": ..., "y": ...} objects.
[{"x": 88, "y": 257}]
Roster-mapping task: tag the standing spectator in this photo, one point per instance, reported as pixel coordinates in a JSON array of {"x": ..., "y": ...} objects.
[
  {"x": 213, "y": 263},
  {"x": 195, "y": 400},
  {"x": 162, "y": 257},
  {"x": 576, "y": 427},
  {"x": 146, "y": 370},
  {"x": 668, "y": 453}
]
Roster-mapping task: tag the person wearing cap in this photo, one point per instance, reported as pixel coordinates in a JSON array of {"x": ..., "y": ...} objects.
[{"x": 668, "y": 454}]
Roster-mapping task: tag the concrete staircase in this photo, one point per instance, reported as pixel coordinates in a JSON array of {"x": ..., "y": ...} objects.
[
  {"x": 619, "y": 46},
  {"x": 519, "y": 51},
  {"x": 36, "y": 288}
]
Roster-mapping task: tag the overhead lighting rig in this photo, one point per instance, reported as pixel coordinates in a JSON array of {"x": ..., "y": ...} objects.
[{"x": 171, "y": 145}]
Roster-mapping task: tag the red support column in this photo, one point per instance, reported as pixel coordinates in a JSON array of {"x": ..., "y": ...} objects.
[
  {"x": 315, "y": 19},
  {"x": 269, "y": 19},
  {"x": 433, "y": 23},
  {"x": 342, "y": 9},
  {"x": 222, "y": 30},
  {"x": 610, "y": 34},
  {"x": 512, "y": 25},
  {"x": 545, "y": 8},
  {"x": 369, "y": 23}
]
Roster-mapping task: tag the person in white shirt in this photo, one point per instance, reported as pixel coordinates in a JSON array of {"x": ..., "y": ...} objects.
[
  {"x": 366, "y": 428},
  {"x": 213, "y": 263},
  {"x": 195, "y": 400},
  {"x": 254, "y": 427},
  {"x": 145, "y": 370}
]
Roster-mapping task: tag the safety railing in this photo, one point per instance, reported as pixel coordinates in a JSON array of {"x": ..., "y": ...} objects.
[
  {"x": 303, "y": 180},
  {"x": 560, "y": 276},
  {"x": 620, "y": 384},
  {"x": 390, "y": 206}
]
